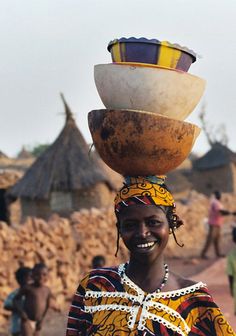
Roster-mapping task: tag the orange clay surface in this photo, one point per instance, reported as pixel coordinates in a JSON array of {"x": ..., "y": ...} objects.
[{"x": 141, "y": 143}]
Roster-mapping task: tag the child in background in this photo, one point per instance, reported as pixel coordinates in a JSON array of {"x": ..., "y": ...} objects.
[
  {"x": 231, "y": 269},
  {"x": 36, "y": 303},
  {"x": 23, "y": 277},
  {"x": 98, "y": 261}
]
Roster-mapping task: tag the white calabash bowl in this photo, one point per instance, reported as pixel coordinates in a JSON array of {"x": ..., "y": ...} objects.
[{"x": 171, "y": 93}]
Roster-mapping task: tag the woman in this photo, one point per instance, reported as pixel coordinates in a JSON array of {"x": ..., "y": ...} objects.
[{"x": 142, "y": 297}]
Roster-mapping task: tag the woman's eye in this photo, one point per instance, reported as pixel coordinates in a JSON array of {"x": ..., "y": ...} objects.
[
  {"x": 128, "y": 226},
  {"x": 154, "y": 222}
]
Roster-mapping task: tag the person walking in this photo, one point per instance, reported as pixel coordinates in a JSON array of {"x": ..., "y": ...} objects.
[
  {"x": 215, "y": 222},
  {"x": 231, "y": 269}
]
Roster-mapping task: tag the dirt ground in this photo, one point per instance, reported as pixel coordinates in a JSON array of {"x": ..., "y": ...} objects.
[{"x": 217, "y": 282}]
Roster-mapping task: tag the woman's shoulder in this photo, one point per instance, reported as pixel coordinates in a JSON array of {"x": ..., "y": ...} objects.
[
  {"x": 104, "y": 272},
  {"x": 101, "y": 275},
  {"x": 185, "y": 282},
  {"x": 182, "y": 285}
]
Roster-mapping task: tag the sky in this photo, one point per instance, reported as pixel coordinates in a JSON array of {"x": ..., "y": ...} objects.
[{"x": 51, "y": 46}]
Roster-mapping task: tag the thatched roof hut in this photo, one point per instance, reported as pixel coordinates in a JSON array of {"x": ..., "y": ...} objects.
[
  {"x": 64, "y": 178},
  {"x": 215, "y": 170},
  {"x": 3, "y": 155},
  {"x": 24, "y": 154}
]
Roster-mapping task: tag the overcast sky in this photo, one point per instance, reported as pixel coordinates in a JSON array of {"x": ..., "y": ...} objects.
[{"x": 51, "y": 46}]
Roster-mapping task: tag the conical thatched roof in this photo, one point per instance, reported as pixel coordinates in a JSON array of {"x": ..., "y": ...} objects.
[
  {"x": 8, "y": 179},
  {"x": 218, "y": 156},
  {"x": 3, "y": 155},
  {"x": 64, "y": 166},
  {"x": 24, "y": 154}
]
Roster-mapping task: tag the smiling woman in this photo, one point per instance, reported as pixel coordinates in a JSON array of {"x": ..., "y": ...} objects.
[{"x": 142, "y": 297}]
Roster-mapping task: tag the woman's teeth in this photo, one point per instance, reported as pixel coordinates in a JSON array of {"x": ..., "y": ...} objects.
[{"x": 146, "y": 245}]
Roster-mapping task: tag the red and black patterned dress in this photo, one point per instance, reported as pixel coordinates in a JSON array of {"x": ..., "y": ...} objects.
[{"x": 108, "y": 303}]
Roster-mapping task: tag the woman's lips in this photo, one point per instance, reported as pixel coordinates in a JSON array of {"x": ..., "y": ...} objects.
[{"x": 145, "y": 245}]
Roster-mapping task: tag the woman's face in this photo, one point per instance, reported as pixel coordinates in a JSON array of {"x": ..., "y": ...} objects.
[{"x": 144, "y": 230}]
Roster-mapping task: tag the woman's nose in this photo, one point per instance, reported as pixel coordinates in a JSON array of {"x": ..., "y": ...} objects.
[{"x": 143, "y": 230}]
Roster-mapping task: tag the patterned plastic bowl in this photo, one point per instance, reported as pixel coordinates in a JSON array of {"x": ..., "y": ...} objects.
[
  {"x": 142, "y": 50},
  {"x": 140, "y": 143}
]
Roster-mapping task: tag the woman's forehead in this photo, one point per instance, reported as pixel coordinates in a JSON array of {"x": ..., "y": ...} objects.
[{"x": 141, "y": 211}]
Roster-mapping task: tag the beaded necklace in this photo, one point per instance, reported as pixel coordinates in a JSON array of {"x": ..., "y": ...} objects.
[{"x": 158, "y": 290}]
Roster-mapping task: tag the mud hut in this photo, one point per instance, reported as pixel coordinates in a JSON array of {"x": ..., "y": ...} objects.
[
  {"x": 64, "y": 178},
  {"x": 216, "y": 170},
  {"x": 7, "y": 180}
]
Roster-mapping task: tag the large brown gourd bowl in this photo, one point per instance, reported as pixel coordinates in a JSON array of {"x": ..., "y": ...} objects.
[{"x": 141, "y": 143}]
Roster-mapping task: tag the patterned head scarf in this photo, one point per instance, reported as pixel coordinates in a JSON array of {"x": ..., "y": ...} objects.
[{"x": 149, "y": 190}]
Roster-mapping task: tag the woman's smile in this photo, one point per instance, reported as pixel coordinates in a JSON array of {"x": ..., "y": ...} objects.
[{"x": 146, "y": 247}]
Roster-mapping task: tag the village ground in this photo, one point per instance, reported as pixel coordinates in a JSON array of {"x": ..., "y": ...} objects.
[{"x": 210, "y": 271}]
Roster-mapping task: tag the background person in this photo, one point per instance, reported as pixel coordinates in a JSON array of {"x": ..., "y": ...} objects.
[
  {"x": 215, "y": 222},
  {"x": 37, "y": 299},
  {"x": 98, "y": 261},
  {"x": 142, "y": 296},
  {"x": 231, "y": 269},
  {"x": 23, "y": 277}
]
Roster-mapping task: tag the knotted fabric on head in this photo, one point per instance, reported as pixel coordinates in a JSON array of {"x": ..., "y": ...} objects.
[{"x": 147, "y": 190}]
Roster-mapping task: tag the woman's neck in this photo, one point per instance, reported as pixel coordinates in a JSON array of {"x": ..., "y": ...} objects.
[{"x": 147, "y": 276}]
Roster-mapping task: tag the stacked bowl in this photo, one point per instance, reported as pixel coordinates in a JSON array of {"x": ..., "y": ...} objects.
[{"x": 148, "y": 94}]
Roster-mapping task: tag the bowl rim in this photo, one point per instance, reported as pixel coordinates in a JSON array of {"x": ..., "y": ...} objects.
[
  {"x": 147, "y": 65},
  {"x": 154, "y": 115},
  {"x": 144, "y": 65},
  {"x": 152, "y": 41}
]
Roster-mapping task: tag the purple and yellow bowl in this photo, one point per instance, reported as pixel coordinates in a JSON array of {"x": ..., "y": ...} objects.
[{"x": 153, "y": 51}]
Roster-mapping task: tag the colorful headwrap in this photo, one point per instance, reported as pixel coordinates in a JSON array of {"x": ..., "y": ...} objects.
[{"x": 149, "y": 190}]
